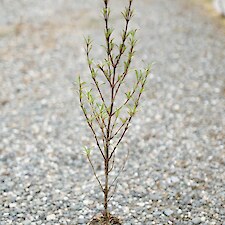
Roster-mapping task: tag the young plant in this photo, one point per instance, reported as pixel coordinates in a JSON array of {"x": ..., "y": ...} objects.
[{"x": 109, "y": 103}]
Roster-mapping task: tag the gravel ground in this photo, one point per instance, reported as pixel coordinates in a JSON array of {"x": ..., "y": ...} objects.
[{"x": 175, "y": 174}]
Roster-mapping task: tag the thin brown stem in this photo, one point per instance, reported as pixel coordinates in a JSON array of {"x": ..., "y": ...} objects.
[
  {"x": 97, "y": 118},
  {"x": 89, "y": 124},
  {"x": 119, "y": 129},
  {"x": 120, "y": 81},
  {"x": 120, "y": 139},
  {"x": 131, "y": 95},
  {"x": 124, "y": 36},
  {"x": 94, "y": 78},
  {"x": 120, "y": 171},
  {"x": 95, "y": 174},
  {"x": 107, "y": 36},
  {"x": 104, "y": 73}
]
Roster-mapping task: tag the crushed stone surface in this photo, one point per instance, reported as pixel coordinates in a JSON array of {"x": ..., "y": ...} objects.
[{"x": 176, "y": 170}]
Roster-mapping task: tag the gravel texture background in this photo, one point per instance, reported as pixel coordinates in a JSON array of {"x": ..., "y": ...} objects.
[{"x": 176, "y": 170}]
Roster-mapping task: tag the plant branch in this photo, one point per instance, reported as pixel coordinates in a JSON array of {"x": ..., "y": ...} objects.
[
  {"x": 92, "y": 71},
  {"x": 93, "y": 169},
  {"x": 132, "y": 114},
  {"x": 130, "y": 97},
  {"x": 127, "y": 16},
  {"x": 101, "y": 126},
  {"x": 119, "y": 173},
  {"x": 88, "y": 120},
  {"x": 127, "y": 65},
  {"x": 108, "y": 32}
]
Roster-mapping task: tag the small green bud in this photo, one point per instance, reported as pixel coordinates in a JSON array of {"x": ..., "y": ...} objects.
[
  {"x": 93, "y": 73},
  {"x": 123, "y": 120},
  {"x": 142, "y": 90},
  {"x": 87, "y": 151},
  {"x": 128, "y": 94},
  {"x": 117, "y": 113}
]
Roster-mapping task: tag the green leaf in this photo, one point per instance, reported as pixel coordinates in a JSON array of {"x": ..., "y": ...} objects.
[
  {"x": 87, "y": 40},
  {"x": 142, "y": 90},
  {"x": 126, "y": 64},
  {"x": 108, "y": 33},
  {"x": 137, "y": 74},
  {"x": 117, "y": 113},
  {"x": 87, "y": 151},
  {"x": 90, "y": 97},
  {"x": 90, "y": 61},
  {"x": 128, "y": 94},
  {"x": 93, "y": 73},
  {"x": 119, "y": 77},
  {"x": 123, "y": 120}
]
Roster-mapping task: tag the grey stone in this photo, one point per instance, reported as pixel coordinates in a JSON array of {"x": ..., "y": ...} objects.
[
  {"x": 168, "y": 212},
  {"x": 26, "y": 222},
  {"x": 51, "y": 217},
  {"x": 196, "y": 220}
]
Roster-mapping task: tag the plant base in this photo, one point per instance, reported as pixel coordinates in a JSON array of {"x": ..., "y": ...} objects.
[{"x": 99, "y": 220}]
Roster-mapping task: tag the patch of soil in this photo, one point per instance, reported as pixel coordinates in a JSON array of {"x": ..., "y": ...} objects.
[{"x": 99, "y": 220}]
